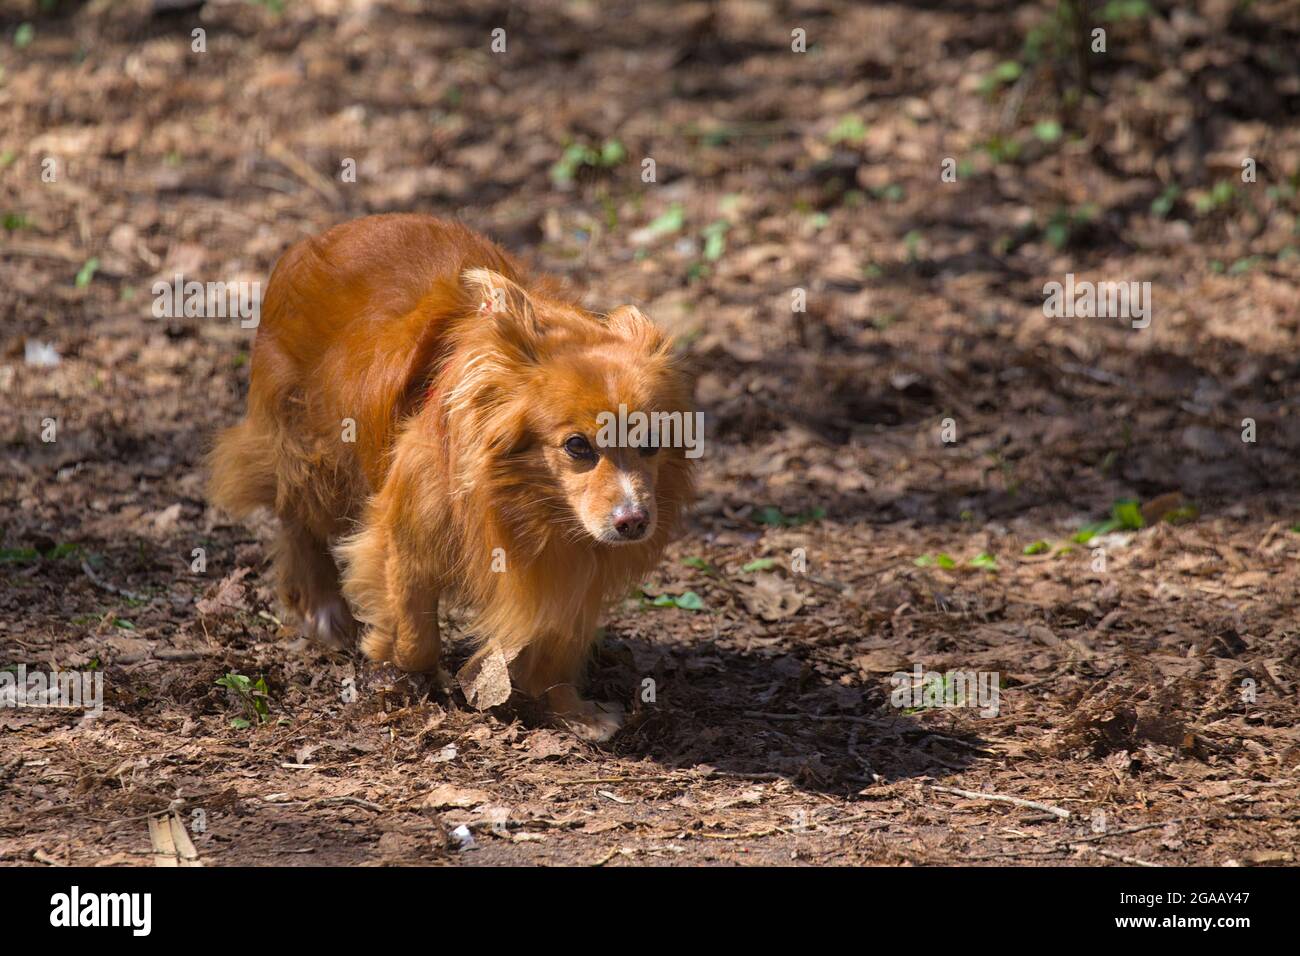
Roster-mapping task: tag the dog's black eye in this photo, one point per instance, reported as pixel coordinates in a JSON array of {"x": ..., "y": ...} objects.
[{"x": 578, "y": 447}]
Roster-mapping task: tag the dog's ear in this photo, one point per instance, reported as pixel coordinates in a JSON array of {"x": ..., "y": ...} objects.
[
  {"x": 631, "y": 323},
  {"x": 508, "y": 307}
]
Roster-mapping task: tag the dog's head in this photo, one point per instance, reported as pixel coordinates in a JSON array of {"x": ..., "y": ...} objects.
[{"x": 590, "y": 420}]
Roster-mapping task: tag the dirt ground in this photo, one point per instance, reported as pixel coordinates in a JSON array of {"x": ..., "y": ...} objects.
[{"x": 1146, "y": 676}]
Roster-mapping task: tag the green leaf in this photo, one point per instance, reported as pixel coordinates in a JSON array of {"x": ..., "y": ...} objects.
[
  {"x": 24, "y": 35},
  {"x": 940, "y": 560},
  {"x": 686, "y": 601},
  {"x": 1038, "y": 547},
  {"x": 985, "y": 561},
  {"x": 699, "y": 563},
  {"x": 1049, "y": 131},
  {"x": 1008, "y": 71},
  {"x": 848, "y": 130},
  {"x": 26, "y": 555},
  {"x": 1058, "y": 234},
  {"x": 1119, "y": 10},
  {"x": 259, "y": 698},
  {"x": 1093, "y": 529},
  {"x": 667, "y": 223},
  {"x": 715, "y": 240},
  {"x": 612, "y": 153},
  {"x": 239, "y": 723},
  {"x": 1128, "y": 514},
  {"x": 568, "y": 163},
  {"x": 759, "y": 564},
  {"x": 87, "y": 272},
  {"x": 1163, "y": 204},
  {"x": 236, "y": 682},
  {"x": 690, "y": 601},
  {"x": 1182, "y": 515},
  {"x": 18, "y": 555},
  {"x": 772, "y": 515}
]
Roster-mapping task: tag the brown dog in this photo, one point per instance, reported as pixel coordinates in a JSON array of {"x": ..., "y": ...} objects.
[{"x": 425, "y": 412}]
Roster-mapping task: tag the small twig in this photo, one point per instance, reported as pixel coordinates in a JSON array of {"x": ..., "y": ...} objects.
[
  {"x": 586, "y": 780},
  {"x": 1172, "y": 821},
  {"x": 751, "y": 835},
  {"x": 163, "y": 655},
  {"x": 10, "y": 769},
  {"x": 951, "y": 742},
  {"x": 180, "y": 654},
  {"x": 306, "y": 173},
  {"x": 110, "y": 588},
  {"x": 688, "y": 778},
  {"x": 1003, "y": 798},
  {"x": 354, "y": 801},
  {"x": 1110, "y": 854},
  {"x": 1012, "y": 854},
  {"x": 819, "y": 718},
  {"x": 1016, "y": 99},
  {"x": 1080, "y": 843},
  {"x": 326, "y": 801},
  {"x": 608, "y": 856}
]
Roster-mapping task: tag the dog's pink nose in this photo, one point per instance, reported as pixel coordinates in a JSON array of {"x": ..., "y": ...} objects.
[{"x": 630, "y": 522}]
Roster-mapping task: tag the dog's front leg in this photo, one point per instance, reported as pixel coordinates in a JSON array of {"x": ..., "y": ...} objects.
[
  {"x": 394, "y": 591},
  {"x": 417, "y": 643},
  {"x": 550, "y": 670}
]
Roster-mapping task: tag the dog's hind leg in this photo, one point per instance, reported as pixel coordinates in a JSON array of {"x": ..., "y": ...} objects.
[{"x": 308, "y": 583}]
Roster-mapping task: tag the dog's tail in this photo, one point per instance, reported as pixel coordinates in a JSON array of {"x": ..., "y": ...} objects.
[{"x": 242, "y": 468}]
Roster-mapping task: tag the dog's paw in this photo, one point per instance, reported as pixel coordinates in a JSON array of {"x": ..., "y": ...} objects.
[
  {"x": 330, "y": 623},
  {"x": 594, "y": 720},
  {"x": 420, "y": 660}
]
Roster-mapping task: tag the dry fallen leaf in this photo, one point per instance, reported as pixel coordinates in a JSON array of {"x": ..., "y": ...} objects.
[
  {"x": 548, "y": 743},
  {"x": 772, "y": 597},
  {"x": 449, "y": 795},
  {"x": 231, "y": 595},
  {"x": 485, "y": 680}
]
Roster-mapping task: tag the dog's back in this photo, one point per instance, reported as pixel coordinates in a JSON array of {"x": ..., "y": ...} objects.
[{"x": 349, "y": 328}]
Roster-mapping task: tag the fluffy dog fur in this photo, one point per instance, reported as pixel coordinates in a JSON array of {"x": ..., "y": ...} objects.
[{"x": 464, "y": 379}]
